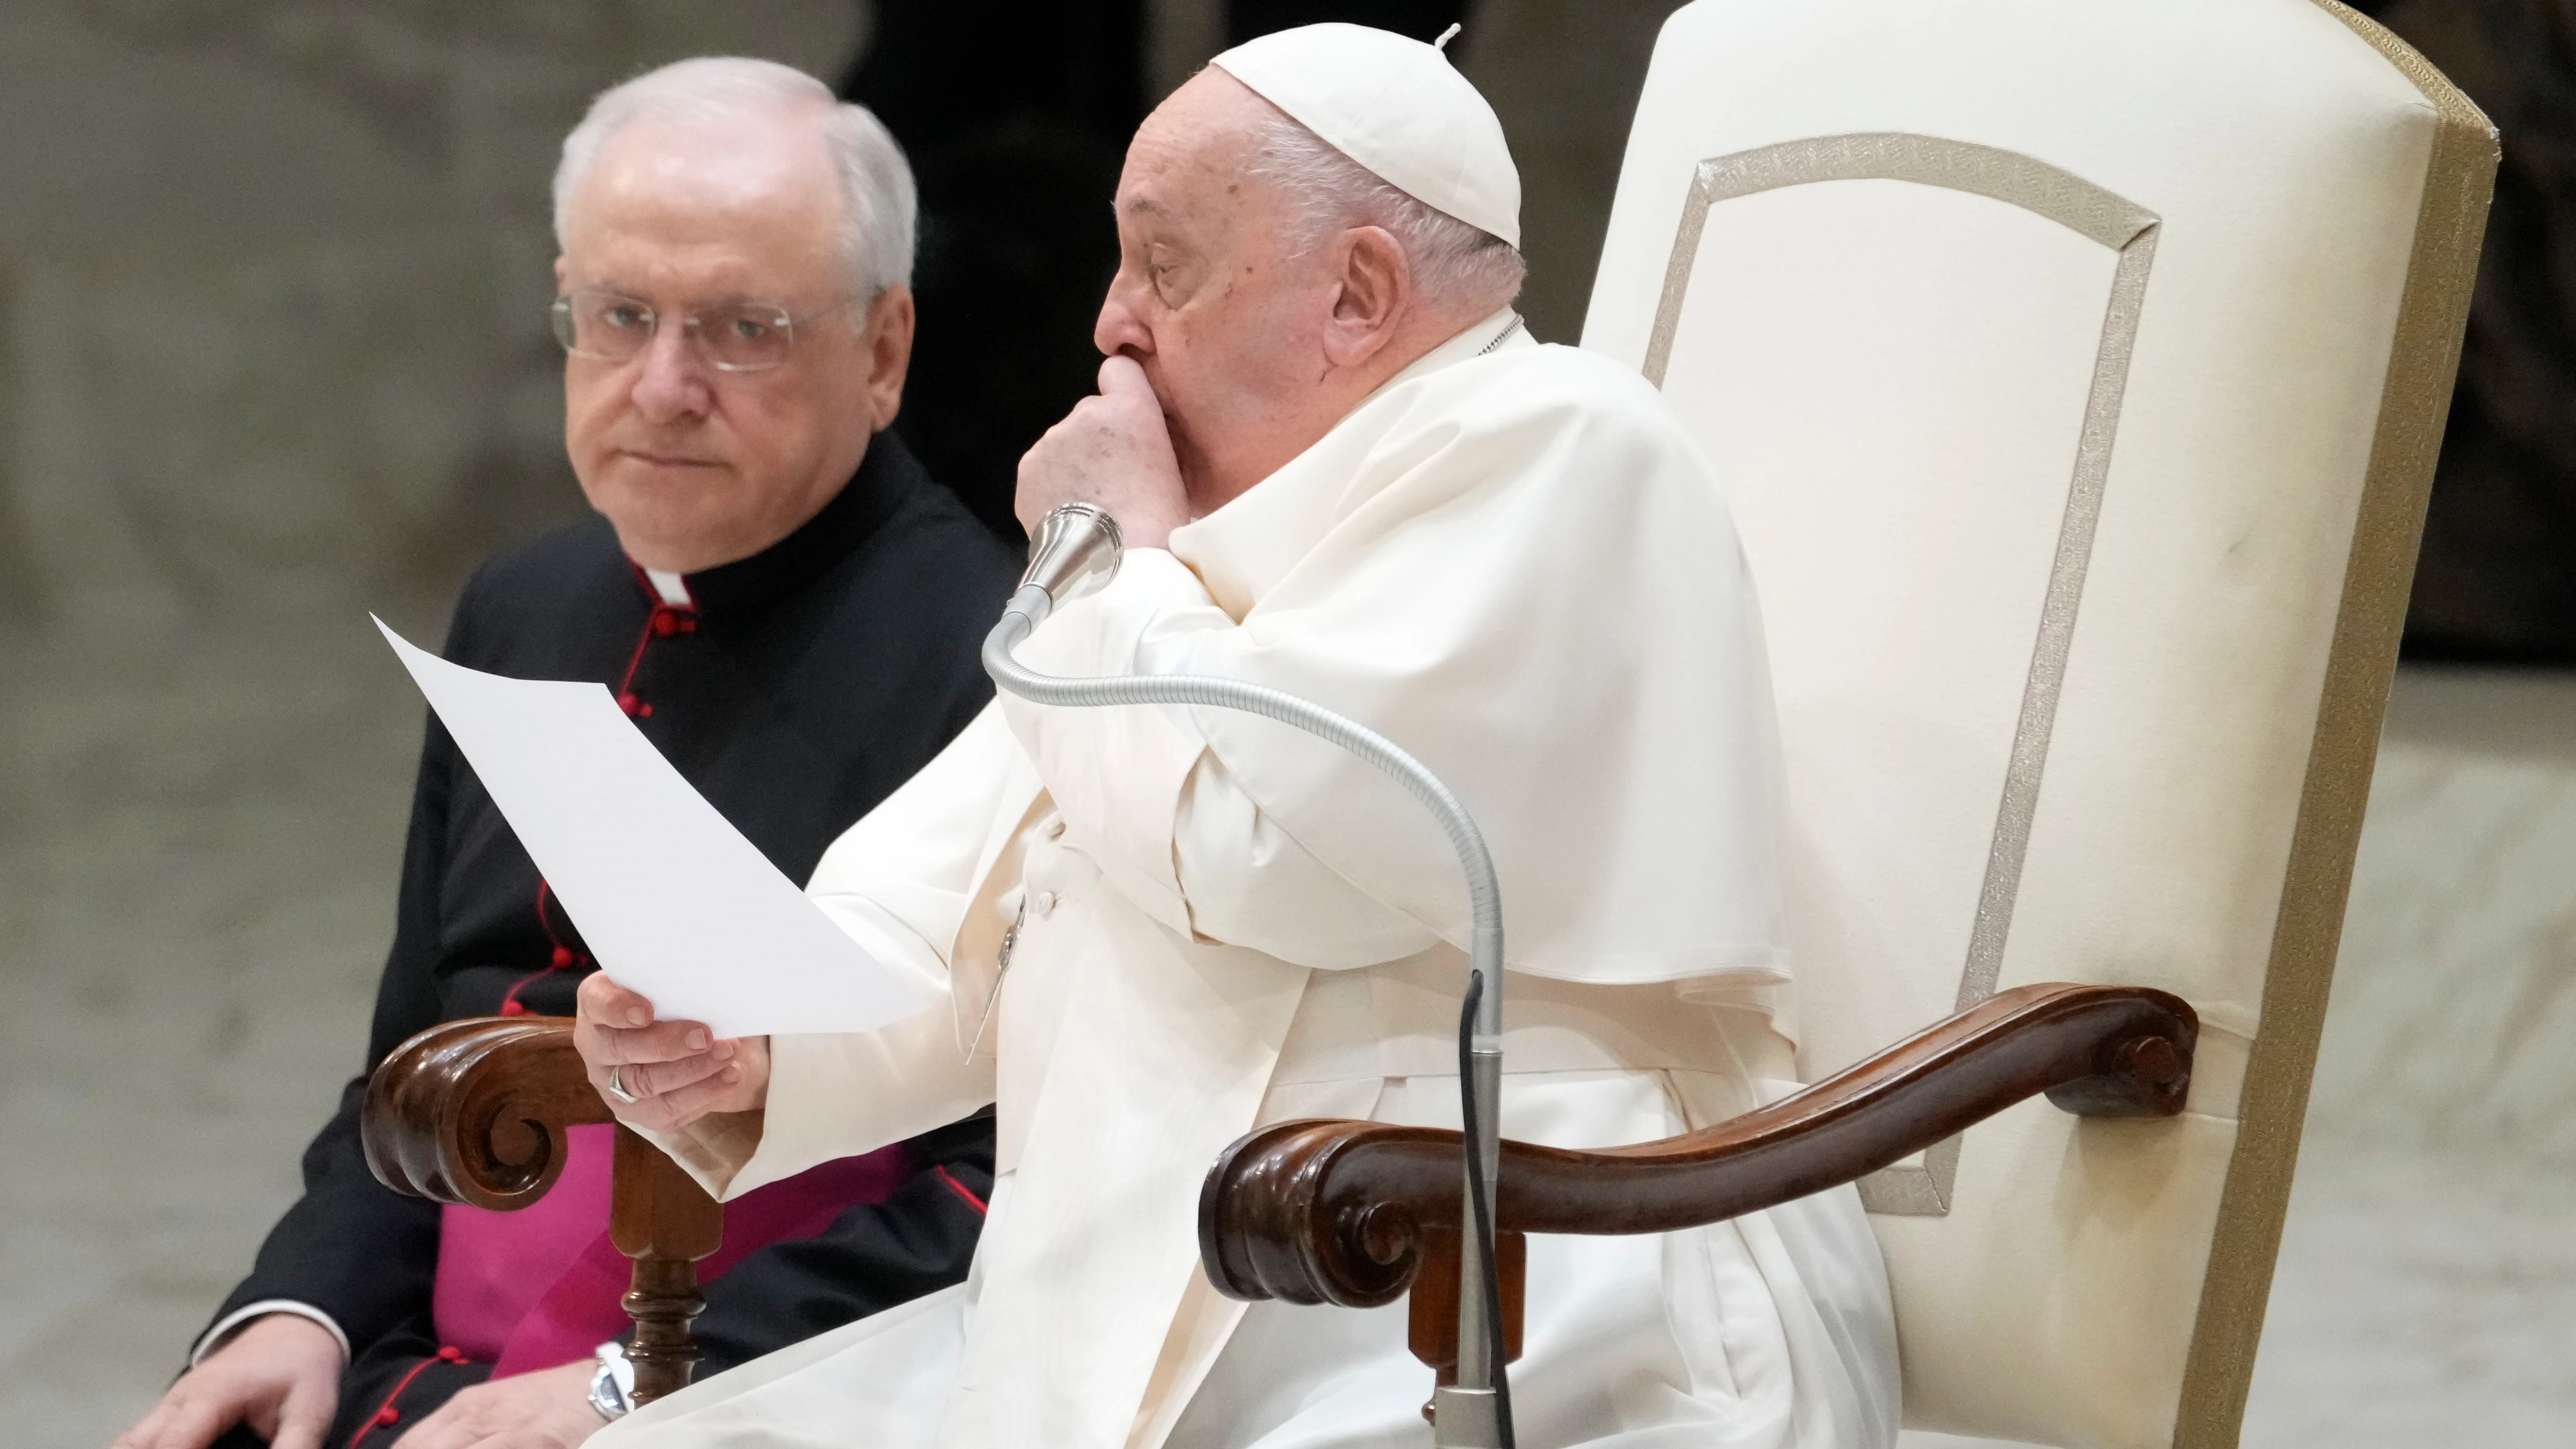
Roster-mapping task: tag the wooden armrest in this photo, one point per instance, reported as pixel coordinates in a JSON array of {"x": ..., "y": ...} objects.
[
  {"x": 475, "y": 1112},
  {"x": 1344, "y": 1212}
]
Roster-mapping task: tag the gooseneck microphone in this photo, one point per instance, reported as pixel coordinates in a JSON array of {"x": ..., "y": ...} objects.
[{"x": 1078, "y": 549}]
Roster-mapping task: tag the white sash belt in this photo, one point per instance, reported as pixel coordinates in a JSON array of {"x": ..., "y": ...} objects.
[{"x": 1401, "y": 1020}]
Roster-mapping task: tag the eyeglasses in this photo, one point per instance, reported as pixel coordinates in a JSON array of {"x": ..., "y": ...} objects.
[{"x": 736, "y": 337}]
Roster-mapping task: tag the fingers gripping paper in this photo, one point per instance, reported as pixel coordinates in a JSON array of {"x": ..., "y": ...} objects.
[{"x": 672, "y": 900}]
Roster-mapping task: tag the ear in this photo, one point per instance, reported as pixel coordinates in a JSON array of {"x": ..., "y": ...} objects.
[
  {"x": 1373, "y": 293},
  {"x": 888, "y": 340}
]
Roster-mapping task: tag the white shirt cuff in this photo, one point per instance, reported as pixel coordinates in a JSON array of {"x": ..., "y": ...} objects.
[{"x": 241, "y": 1317}]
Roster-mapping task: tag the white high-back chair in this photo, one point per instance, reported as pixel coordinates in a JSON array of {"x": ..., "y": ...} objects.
[{"x": 2076, "y": 369}]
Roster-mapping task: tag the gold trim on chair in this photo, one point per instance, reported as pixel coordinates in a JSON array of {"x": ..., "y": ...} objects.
[
  {"x": 2092, "y": 212},
  {"x": 2414, "y": 402}
]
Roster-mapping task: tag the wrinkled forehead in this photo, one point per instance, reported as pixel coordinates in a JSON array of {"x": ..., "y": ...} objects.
[
  {"x": 764, "y": 181},
  {"x": 1186, "y": 169}
]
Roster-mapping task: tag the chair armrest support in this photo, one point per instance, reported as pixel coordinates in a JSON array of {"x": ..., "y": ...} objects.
[
  {"x": 1334, "y": 1211},
  {"x": 474, "y": 1111}
]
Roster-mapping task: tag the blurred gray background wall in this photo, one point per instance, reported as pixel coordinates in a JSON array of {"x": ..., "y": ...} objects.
[{"x": 273, "y": 354}]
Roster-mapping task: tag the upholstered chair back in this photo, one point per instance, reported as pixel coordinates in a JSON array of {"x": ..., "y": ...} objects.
[{"x": 2076, "y": 369}]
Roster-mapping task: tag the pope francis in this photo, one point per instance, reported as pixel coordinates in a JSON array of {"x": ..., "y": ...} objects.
[{"x": 1344, "y": 470}]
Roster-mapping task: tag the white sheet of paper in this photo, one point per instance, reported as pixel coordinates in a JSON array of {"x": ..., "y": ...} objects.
[{"x": 671, "y": 899}]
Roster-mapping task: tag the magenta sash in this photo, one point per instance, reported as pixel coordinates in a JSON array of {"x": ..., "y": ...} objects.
[{"x": 542, "y": 1286}]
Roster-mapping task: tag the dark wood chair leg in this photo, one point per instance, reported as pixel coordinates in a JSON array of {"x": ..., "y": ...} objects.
[
  {"x": 1431, "y": 1314},
  {"x": 661, "y": 1218},
  {"x": 1432, "y": 1317}
]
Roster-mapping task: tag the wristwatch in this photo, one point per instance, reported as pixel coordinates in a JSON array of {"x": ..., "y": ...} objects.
[{"x": 612, "y": 1389}]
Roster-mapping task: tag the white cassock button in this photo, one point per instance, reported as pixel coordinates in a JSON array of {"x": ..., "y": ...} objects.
[
  {"x": 1046, "y": 903},
  {"x": 1055, "y": 828}
]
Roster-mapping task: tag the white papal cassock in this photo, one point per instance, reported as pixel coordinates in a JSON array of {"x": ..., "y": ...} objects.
[{"x": 1512, "y": 561}]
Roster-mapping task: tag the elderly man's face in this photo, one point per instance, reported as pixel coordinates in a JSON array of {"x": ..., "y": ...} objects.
[
  {"x": 695, "y": 465},
  {"x": 1211, "y": 297}
]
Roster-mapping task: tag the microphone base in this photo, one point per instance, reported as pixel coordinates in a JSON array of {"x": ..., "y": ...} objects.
[{"x": 1465, "y": 1418}]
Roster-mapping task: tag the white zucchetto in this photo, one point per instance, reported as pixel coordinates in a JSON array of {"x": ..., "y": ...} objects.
[{"x": 1397, "y": 107}]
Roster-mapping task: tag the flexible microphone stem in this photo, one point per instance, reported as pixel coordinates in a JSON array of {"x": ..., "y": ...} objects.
[{"x": 1077, "y": 548}]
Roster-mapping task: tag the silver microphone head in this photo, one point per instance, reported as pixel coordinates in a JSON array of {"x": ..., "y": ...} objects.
[{"x": 1077, "y": 549}]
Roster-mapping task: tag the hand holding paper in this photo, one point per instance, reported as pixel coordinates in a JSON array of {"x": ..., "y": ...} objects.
[
  {"x": 674, "y": 903},
  {"x": 671, "y": 1072}
]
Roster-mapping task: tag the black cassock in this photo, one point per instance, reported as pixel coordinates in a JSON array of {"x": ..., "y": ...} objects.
[{"x": 799, "y": 688}]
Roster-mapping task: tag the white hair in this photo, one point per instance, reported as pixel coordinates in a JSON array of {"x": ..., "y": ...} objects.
[
  {"x": 878, "y": 201},
  {"x": 1454, "y": 263}
]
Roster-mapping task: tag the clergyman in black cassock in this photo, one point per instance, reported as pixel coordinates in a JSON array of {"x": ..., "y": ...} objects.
[{"x": 794, "y": 689}]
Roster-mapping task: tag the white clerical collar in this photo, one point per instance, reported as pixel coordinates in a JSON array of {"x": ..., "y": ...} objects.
[
  {"x": 673, "y": 588},
  {"x": 1496, "y": 330}
]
